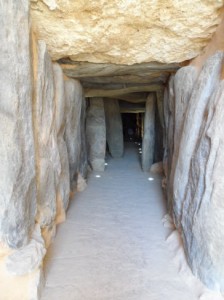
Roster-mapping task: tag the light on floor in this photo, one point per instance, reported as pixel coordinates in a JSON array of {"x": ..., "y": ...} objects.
[
  {"x": 150, "y": 178},
  {"x": 97, "y": 176},
  {"x": 106, "y": 164}
]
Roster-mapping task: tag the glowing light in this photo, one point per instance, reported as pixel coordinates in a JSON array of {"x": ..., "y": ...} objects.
[
  {"x": 150, "y": 178},
  {"x": 140, "y": 152},
  {"x": 106, "y": 164},
  {"x": 97, "y": 176}
]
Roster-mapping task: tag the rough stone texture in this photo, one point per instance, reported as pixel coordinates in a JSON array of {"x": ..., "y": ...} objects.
[
  {"x": 83, "y": 162},
  {"x": 168, "y": 138},
  {"x": 157, "y": 168},
  {"x": 74, "y": 99},
  {"x": 149, "y": 133},
  {"x": 114, "y": 128},
  {"x": 81, "y": 183},
  {"x": 28, "y": 258},
  {"x": 125, "y": 31},
  {"x": 197, "y": 168},
  {"x": 63, "y": 186},
  {"x": 17, "y": 184},
  {"x": 96, "y": 134},
  {"x": 48, "y": 158},
  {"x": 158, "y": 147}
]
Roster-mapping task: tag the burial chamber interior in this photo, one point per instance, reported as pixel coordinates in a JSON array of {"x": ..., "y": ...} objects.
[{"x": 64, "y": 99}]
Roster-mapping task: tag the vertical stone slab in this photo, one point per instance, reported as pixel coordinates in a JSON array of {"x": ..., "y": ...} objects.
[
  {"x": 63, "y": 185},
  {"x": 158, "y": 149},
  {"x": 198, "y": 177},
  {"x": 159, "y": 102},
  {"x": 17, "y": 184},
  {"x": 96, "y": 134},
  {"x": 83, "y": 162},
  {"x": 74, "y": 98},
  {"x": 114, "y": 128},
  {"x": 149, "y": 133},
  {"x": 202, "y": 91},
  {"x": 184, "y": 81},
  {"x": 48, "y": 158}
]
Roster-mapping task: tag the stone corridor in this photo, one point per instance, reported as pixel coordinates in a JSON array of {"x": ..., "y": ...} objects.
[{"x": 113, "y": 243}]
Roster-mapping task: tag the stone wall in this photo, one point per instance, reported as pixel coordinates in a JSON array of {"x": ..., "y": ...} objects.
[
  {"x": 193, "y": 160},
  {"x": 42, "y": 151}
]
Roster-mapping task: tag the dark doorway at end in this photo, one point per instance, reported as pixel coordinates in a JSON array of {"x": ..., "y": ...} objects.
[{"x": 132, "y": 126}]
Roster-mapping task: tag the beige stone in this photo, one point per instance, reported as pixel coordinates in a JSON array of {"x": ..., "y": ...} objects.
[{"x": 124, "y": 31}]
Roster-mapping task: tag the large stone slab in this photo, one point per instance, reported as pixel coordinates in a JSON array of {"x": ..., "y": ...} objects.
[
  {"x": 125, "y": 32},
  {"x": 149, "y": 133},
  {"x": 17, "y": 184},
  {"x": 196, "y": 112},
  {"x": 48, "y": 157},
  {"x": 96, "y": 134},
  {"x": 63, "y": 185},
  {"x": 197, "y": 167},
  {"x": 74, "y": 99},
  {"x": 114, "y": 128},
  {"x": 83, "y": 158}
]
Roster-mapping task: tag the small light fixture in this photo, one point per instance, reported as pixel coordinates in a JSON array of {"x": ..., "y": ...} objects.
[
  {"x": 97, "y": 176},
  {"x": 106, "y": 164},
  {"x": 150, "y": 178}
]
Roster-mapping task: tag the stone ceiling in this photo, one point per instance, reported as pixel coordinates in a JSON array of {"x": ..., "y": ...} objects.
[{"x": 124, "y": 48}]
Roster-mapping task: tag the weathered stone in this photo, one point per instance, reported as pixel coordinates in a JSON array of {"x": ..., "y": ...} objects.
[
  {"x": 196, "y": 178},
  {"x": 149, "y": 133},
  {"x": 96, "y": 134},
  {"x": 114, "y": 128},
  {"x": 48, "y": 158},
  {"x": 158, "y": 146},
  {"x": 125, "y": 32},
  {"x": 74, "y": 98},
  {"x": 83, "y": 163},
  {"x": 157, "y": 168},
  {"x": 17, "y": 184},
  {"x": 182, "y": 93},
  {"x": 159, "y": 102},
  {"x": 202, "y": 91},
  {"x": 81, "y": 183},
  {"x": 169, "y": 114},
  {"x": 63, "y": 186},
  {"x": 28, "y": 258}
]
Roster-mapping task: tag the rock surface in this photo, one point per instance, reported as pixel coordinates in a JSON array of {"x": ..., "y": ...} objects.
[
  {"x": 114, "y": 129},
  {"x": 96, "y": 134},
  {"x": 74, "y": 99},
  {"x": 125, "y": 32},
  {"x": 17, "y": 184},
  {"x": 149, "y": 133},
  {"x": 28, "y": 258},
  {"x": 63, "y": 185},
  {"x": 83, "y": 163},
  {"x": 195, "y": 179},
  {"x": 48, "y": 158}
]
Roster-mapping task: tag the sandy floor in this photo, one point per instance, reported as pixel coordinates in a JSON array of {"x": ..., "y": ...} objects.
[{"x": 113, "y": 244}]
